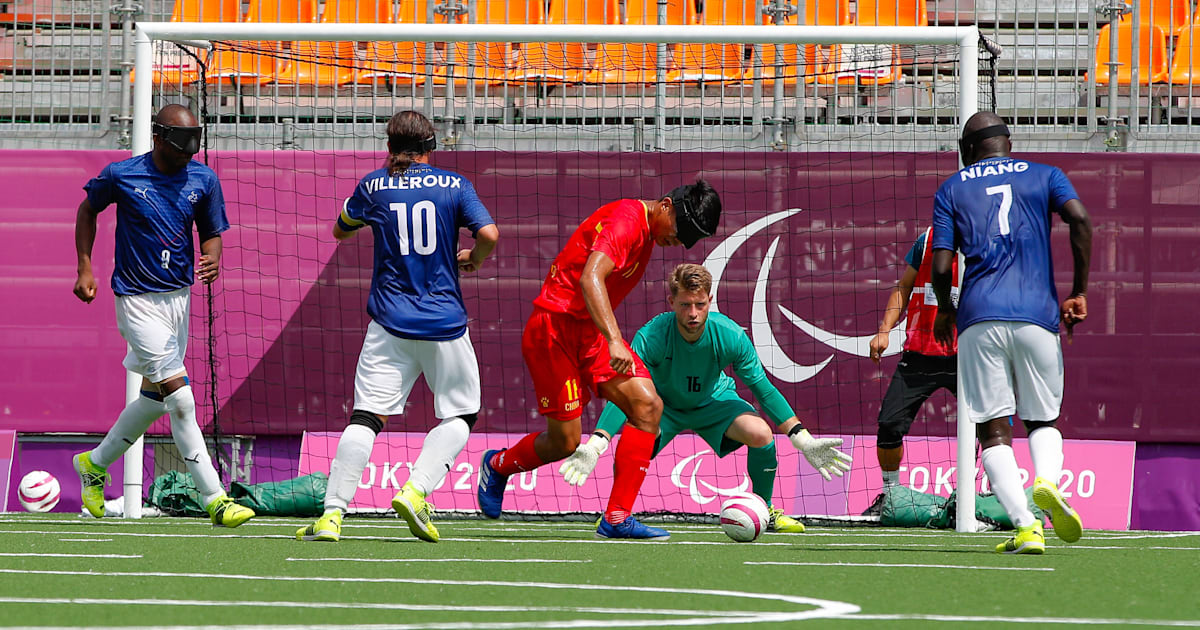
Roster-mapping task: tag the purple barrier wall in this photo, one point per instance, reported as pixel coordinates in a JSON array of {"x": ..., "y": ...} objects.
[{"x": 290, "y": 300}]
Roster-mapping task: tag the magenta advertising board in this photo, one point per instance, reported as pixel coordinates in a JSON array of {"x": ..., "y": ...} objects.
[{"x": 688, "y": 477}]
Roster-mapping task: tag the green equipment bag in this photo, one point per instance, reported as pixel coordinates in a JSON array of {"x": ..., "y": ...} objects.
[
  {"x": 302, "y": 496},
  {"x": 905, "y": 507},
  {"x": 175, "y": 494}
]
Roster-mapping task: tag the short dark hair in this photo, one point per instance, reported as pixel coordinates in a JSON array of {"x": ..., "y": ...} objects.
[
  {"x": 697, "y": 211},
  {"x": 689, "y": 277},
  {"x": 410, "y": 134}
]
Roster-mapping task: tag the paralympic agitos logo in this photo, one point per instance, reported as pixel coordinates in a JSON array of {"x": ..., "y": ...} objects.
[{"x": 774, "y": 358}]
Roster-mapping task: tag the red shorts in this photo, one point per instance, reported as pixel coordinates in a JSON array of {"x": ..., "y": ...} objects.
[{"x": 568, "y": 358}]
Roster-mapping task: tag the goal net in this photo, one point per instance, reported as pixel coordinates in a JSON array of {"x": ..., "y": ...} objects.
[{"x": 826, "y": 145}]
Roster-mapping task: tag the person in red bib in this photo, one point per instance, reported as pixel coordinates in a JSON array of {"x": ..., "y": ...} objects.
[
  {"x": 573, "y": 347},
  {"x": 926, "y": 365}
]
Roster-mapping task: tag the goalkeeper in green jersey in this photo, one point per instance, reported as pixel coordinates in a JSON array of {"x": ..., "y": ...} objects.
[{"x": 686, "y": 352}]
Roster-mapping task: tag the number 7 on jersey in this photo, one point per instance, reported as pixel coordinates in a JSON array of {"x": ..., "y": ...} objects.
[{"x": 1005, "y": 192}]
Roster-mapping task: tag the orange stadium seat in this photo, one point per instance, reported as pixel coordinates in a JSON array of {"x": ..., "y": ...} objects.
[
  {"x": 891, "y": 13},
  {"x": 1152, "y": 54},
  {"x": 405, "y": 63},
  {"x": 1185, "y": 64},
  {"x": 715, "y": 62},
  {"x": 563, "y": 62},
  {"x": 171, "y": 65},
  {"x": 817, "y": 13},
  {"x": 1172, "y": 16},
  {"x": 252, "y": 66},
  {"x": 638, "y": 63},
  {"x": 333, "y": 63},
  {"x": 494, "y": 61}
]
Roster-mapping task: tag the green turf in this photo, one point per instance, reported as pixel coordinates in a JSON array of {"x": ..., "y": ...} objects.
[{"x": 185, "y": 573}]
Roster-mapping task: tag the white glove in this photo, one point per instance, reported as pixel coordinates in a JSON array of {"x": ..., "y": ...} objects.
[
  {"x": 576, "y": 468},
  {"x": 822, "y": 453}
]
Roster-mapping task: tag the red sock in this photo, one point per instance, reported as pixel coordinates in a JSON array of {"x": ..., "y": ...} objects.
[
  {"x": 519, "y": 458},
  {"x": 631, "y": 461}
]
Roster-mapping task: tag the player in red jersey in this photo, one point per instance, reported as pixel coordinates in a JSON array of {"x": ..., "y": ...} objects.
[{"x": 573, "y": 347}]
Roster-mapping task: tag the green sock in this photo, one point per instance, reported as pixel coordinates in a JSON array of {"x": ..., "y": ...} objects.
[{"x": 761, "y": 464}]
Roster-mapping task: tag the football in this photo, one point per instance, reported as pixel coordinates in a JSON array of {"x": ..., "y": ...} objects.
[
  {"x": 39, "y": 491},
  {"x": 744, "y": 517}
]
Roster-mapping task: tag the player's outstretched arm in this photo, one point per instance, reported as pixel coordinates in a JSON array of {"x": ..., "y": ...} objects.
[
  {"x": 470, "y": 260},
  {"x": 897, "y": 301},
  {"x": 85, "y": 238},
  {"x": 821, "y": 453}
]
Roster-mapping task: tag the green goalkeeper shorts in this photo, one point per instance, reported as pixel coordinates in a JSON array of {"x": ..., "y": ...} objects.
[{"x": 710, "y": 422}]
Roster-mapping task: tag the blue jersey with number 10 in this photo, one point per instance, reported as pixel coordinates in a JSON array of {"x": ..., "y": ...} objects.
[
  {"x": 997, "y": 213},
  {"x": 415, "y": 217}
]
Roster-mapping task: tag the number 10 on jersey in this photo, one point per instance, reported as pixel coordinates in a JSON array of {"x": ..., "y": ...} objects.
[{"x": 424, "y": 227}]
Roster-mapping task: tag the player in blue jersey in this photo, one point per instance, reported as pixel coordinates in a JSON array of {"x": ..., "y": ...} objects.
[
  {"x": 418, "y": 319},
  {"x": 686, "y": 351},
  {"x": 159, "y": 196},
  {"x": 996, "y": 212}
]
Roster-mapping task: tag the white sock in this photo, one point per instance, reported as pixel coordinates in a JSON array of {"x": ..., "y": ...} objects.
[
  {"x": 181, "y": 404},
  {"x": 891, "y": 478},
  {"x": 1001, "y": 467},
  {"x": 353, "y": 452},
  {"x": 131, "y": 424},
  {"x": 443, "y": 443},
  {"x": 1046, "y": 449}
]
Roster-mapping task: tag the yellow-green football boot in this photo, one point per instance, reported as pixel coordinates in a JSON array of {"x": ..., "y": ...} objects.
[
  {"x": 411, "y": 505},
  {"x": 1026, "y": 540},
  {"x": 226, "y": 513},
  {"x": 92, "y": 478},
  {"x": 783, "y": 523},
  {"x": 1067, "y": 524},
  {"x": 328, "y": 528}
]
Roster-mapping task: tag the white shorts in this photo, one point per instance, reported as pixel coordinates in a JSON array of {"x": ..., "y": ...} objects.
[
  {"x": 1010, "y": 367},
  {"x": 155, "y": 325},
  {"x": 389, "y": 366}
]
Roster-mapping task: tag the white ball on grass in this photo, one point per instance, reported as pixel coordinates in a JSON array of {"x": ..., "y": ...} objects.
[
  {"x": 744, "y": 517},
  {"x": 39, "y": 491}
]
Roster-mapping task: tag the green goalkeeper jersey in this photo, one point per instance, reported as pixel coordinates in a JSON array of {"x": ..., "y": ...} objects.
[{"x": 688, "y": 375}]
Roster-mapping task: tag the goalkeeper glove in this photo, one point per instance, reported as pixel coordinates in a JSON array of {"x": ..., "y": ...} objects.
[
  {"x": 576, "y": 468},
  {"x": 822, "y": 453}
]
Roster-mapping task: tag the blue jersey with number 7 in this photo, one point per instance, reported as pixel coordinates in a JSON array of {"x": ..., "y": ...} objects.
[
  {"x": 415, "y": 217},
  {"x": 997, "y": 213}
]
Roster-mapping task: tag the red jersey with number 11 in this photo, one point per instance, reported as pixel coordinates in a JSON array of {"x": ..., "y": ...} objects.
[{"x": 622, "y": 231}]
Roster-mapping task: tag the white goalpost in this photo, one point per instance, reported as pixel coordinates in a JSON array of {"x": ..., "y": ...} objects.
[{"x": 965, "y": 38}]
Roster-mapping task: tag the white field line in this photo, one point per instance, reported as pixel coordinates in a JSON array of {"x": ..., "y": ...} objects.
[
  {"x": 813, "y": 608},
  {"x": 886, "y": 565},
  {"x": 1074, "y": 621},
  {"x": 493, "y": 560},
  {"x": 793, "y": 539},
  {"x": 84, "y": 540},
  {"x": 91, "y": 601},
  {"x": 69, "y": 555}
]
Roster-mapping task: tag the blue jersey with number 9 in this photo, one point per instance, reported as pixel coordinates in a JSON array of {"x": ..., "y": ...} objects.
[
  {"x": 155, "y": 214},
  {"x": 997, "y": 213},
  {"x": 415, "y": 217}
]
